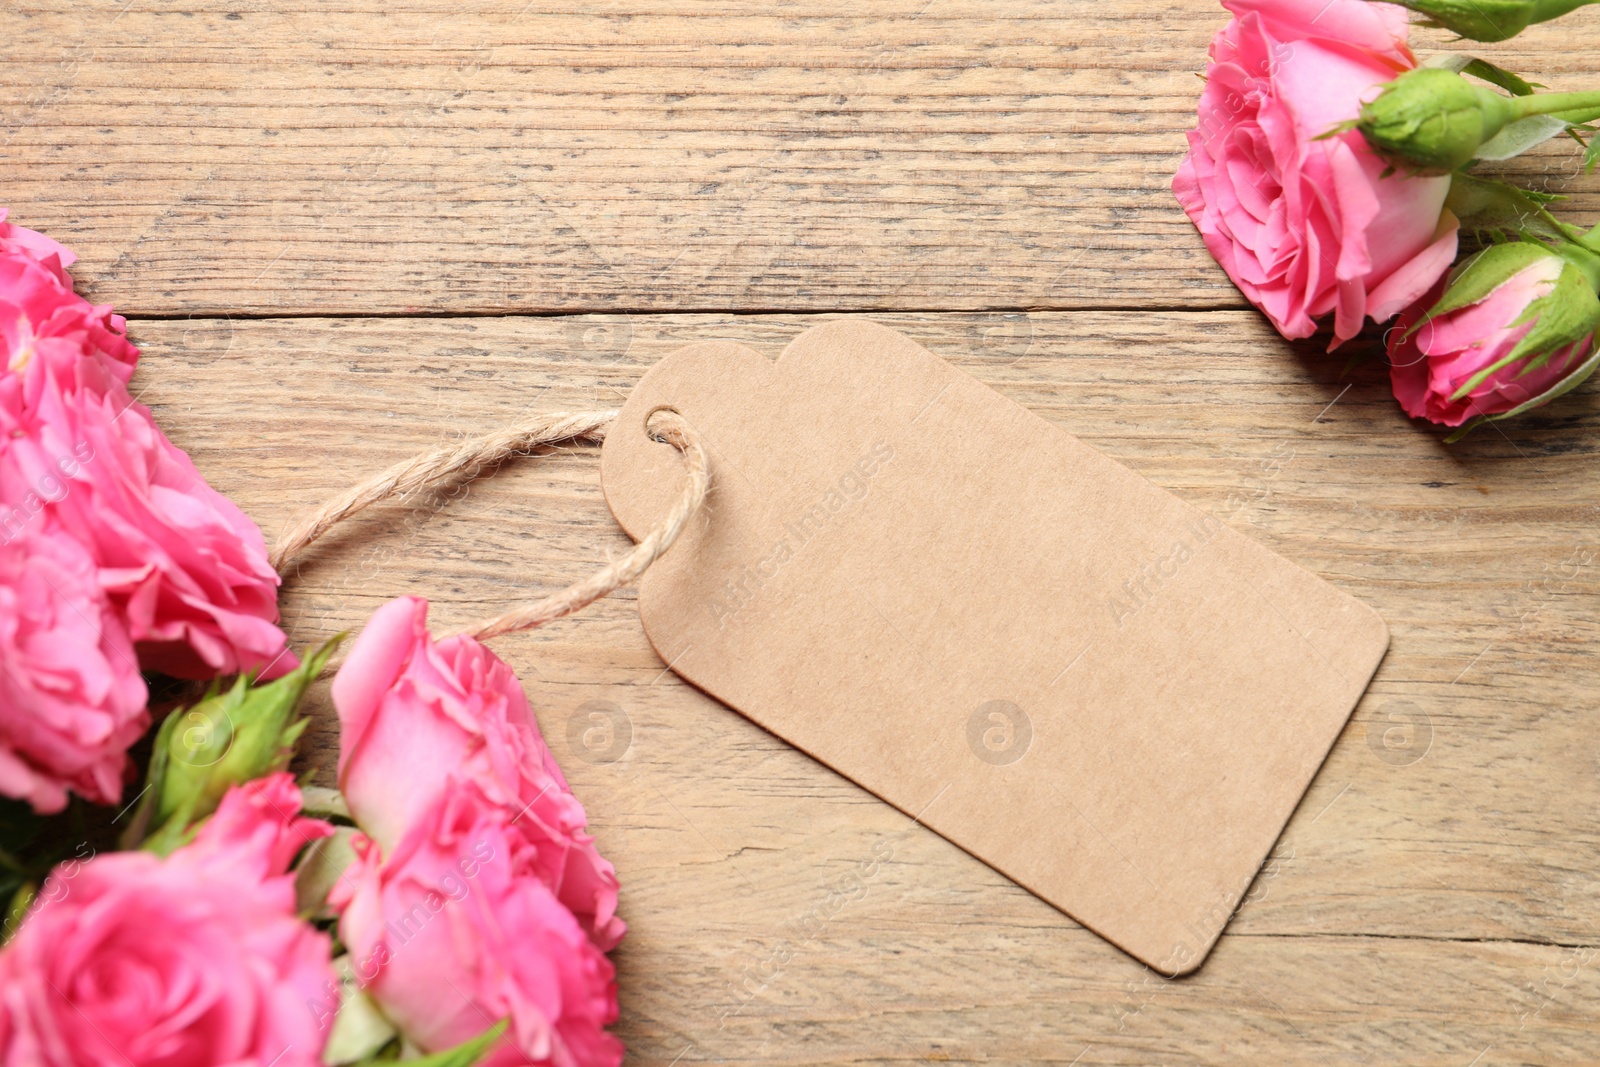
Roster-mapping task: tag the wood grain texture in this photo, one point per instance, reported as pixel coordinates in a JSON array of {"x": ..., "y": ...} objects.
[
  {"x": 638, "y": 155},
  {"x": 330, "y": 222},
  {"x": 1433, "y": 900}
]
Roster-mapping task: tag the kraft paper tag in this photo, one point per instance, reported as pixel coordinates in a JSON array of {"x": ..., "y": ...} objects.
[{"x": 1090, "y": 685}]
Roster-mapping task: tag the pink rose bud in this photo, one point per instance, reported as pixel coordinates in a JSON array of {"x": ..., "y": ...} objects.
[
  {"x": 194, "y": 960},
  {"x": 227, "y": 738},
  {"x": 456, "y": 926},
  {"x": 416, "y": 717},
  {"x": 1305, "y": 224},
  {"x": 183, "y": 568},
  {"x": 1513, "y": 328}
]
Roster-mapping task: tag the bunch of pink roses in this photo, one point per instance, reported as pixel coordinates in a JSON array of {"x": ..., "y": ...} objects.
[
  {"x": 473, "y": 909},
  {"x": 115, "y": 555},
  {"x": 451, "y": 909},
  {"x": 192, "y": 959},
  {"x": 1327, "y": 175},
  {"x": 476, "y": 894}
]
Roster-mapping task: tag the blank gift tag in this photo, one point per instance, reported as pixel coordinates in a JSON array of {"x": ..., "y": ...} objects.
[{"x": 1095, "y": 688}]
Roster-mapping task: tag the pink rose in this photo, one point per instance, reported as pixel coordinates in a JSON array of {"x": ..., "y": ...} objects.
[
  {"x": 184, "y": 568},
  {"x": 417, "y": 717},
  {"x": 455, "y": 929},
  {"x": 39, "y": 309},
  {"x": 256, "y": 832},
  {"x": 196, "y": 960},
  {"x": 1430, "y": 365},
  {"x": 70, "y": 689},
  {"x": 20, "y": 240},
  {"x": 1306, "y": 226}
]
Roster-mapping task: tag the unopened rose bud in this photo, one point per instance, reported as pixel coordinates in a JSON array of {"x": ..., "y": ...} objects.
[
  {"x": 1432, "y": 120},
  {"x": 1490, "y": 20},
  {"x": 228, "y": 738},
  {"x": 1513, "y": 328}
]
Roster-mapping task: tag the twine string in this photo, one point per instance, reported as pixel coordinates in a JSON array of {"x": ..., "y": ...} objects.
[{"x": 453, "y": 464}]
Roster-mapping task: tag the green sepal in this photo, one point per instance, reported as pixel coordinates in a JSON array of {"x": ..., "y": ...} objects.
[
  {"x": 1589, "y": 240},
  {"x": 1565, "y": 315},
  {"x": 1583, "y": 257},
  {"x": 1337, "y": 128},
  {"x": 1482, "y": 273},
  {"x": 225, "y": 739},
  {"x": 1565, "y": 385}
]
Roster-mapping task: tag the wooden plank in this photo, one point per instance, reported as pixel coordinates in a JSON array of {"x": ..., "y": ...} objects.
[
  {"x": 1433, "y": 897},
  {"x": 370, "y": 157}
]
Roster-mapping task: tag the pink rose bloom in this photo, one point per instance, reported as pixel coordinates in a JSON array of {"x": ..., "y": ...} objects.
[
  {"x": 417, "y": 718},
  {"x": 196, "y": 960},
  {"x": 38, "y": 307},
  {"x": 1429, "y": 366},
  {"x": 456, "y": 928},
  {"x": 70, "y": 686},
  {"x": 186, "y": 570},
  {"x": 55, "y": 256},
  {"x": 1306, "y": 226}
]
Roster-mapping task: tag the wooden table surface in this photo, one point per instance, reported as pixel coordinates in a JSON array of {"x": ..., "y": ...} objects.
[{"x": 344, "y": 232}]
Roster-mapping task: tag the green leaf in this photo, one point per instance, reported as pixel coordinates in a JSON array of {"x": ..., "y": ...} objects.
[
  {"x": 320, "y": 869},
  {"x": 17, "y": 909},
  {"x": 463, "y": 1055},
  {"x": 1484, "y": 70},
  {"x": 360, "y": 1032},
  {"x": 1495, "y": 207},
  {"x": 1519, "y": 136}
]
